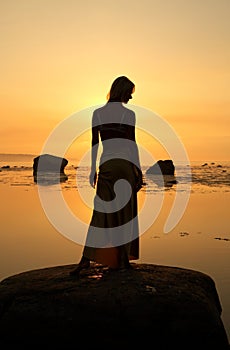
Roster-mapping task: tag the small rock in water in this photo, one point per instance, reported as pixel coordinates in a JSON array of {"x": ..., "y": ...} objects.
[{"x": 182, "y": 234}]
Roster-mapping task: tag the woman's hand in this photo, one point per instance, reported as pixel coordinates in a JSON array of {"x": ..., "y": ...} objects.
[
  {"x": 93, "y": 178},
  {"x": 139, "y": 178},
  {"x": 140, "y": 182}
]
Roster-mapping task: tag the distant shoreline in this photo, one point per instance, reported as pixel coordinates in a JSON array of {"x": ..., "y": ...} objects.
[
  {"x": 11, "y": 155},
  {"x": 29, "y": 155}
]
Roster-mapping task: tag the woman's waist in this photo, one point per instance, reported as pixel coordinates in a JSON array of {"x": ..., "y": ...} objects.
[{"x": 119, "y": 154}]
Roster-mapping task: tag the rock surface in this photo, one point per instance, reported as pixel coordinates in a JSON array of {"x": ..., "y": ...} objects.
[
  {"x": 49, "y": 163},
  {"x": 162, "y": 167},
  {"x": 150, "y": 305},
  {"x": 49, "y": 170}
]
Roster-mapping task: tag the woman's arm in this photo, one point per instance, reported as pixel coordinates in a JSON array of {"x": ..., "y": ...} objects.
[
  {"x": 135, "y": 156},
  {"x": 94, "y": 150},
  {"x": 132, "y": 136}
]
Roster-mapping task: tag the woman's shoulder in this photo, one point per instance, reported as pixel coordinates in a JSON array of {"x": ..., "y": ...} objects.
[
  {"x": 129, "y": 111},
  {"x": 114, "y": 113},
  {"x": 97, "y": 112},
  {"x": 129, "y": 116},
  {"x": 99, "y": 109}
]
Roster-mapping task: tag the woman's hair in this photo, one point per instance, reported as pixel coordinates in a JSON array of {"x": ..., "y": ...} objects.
[{"x": 121, "y": 90}]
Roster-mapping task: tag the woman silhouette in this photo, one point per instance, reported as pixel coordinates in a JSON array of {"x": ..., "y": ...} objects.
[{"x": 113, "y": 234}]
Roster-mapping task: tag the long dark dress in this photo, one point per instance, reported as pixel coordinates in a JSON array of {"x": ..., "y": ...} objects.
[{"x": 113, "y": 230}]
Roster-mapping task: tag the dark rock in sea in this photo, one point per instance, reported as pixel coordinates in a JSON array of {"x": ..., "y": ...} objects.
[
  {"x": 149, "y": 306},
  {"x": 49, "y": 163},
  {"x": 162, "y": 167},
  {"x": 49, "y": 170}
]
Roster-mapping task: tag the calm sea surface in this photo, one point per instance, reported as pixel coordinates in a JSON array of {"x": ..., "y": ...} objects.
[{"x": 200, "y": 240}]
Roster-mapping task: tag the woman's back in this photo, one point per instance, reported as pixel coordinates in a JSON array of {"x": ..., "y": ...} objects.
[{"x": 116, "y": 125}]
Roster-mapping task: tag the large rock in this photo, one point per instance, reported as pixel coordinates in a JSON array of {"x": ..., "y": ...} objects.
[
  {"x": 162, "y": 167},
  {"x": 150, "y": 306},
  {"x": 49, "y": 170},
  {"x": 49, "y": 163}
]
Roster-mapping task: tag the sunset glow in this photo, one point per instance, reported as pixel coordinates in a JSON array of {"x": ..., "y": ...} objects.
[{"x": 59, "y": 57}]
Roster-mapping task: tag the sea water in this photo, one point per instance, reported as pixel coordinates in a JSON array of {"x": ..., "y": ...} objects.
[{"x": 200, "y": 240}]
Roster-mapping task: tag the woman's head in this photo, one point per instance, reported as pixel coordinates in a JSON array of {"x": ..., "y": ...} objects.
[{"x": 121, "y": 90}]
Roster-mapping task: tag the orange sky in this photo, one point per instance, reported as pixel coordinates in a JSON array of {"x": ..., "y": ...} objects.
[{"x": 61, "y": 56}]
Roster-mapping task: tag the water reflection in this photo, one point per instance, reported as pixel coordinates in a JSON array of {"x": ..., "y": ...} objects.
[
  {"x": 49, "y": 179},
  {"x": 162, "y": 180}
]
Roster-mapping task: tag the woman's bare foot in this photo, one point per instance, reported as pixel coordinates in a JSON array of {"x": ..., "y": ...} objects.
[{"x": 83, "y": 264}]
